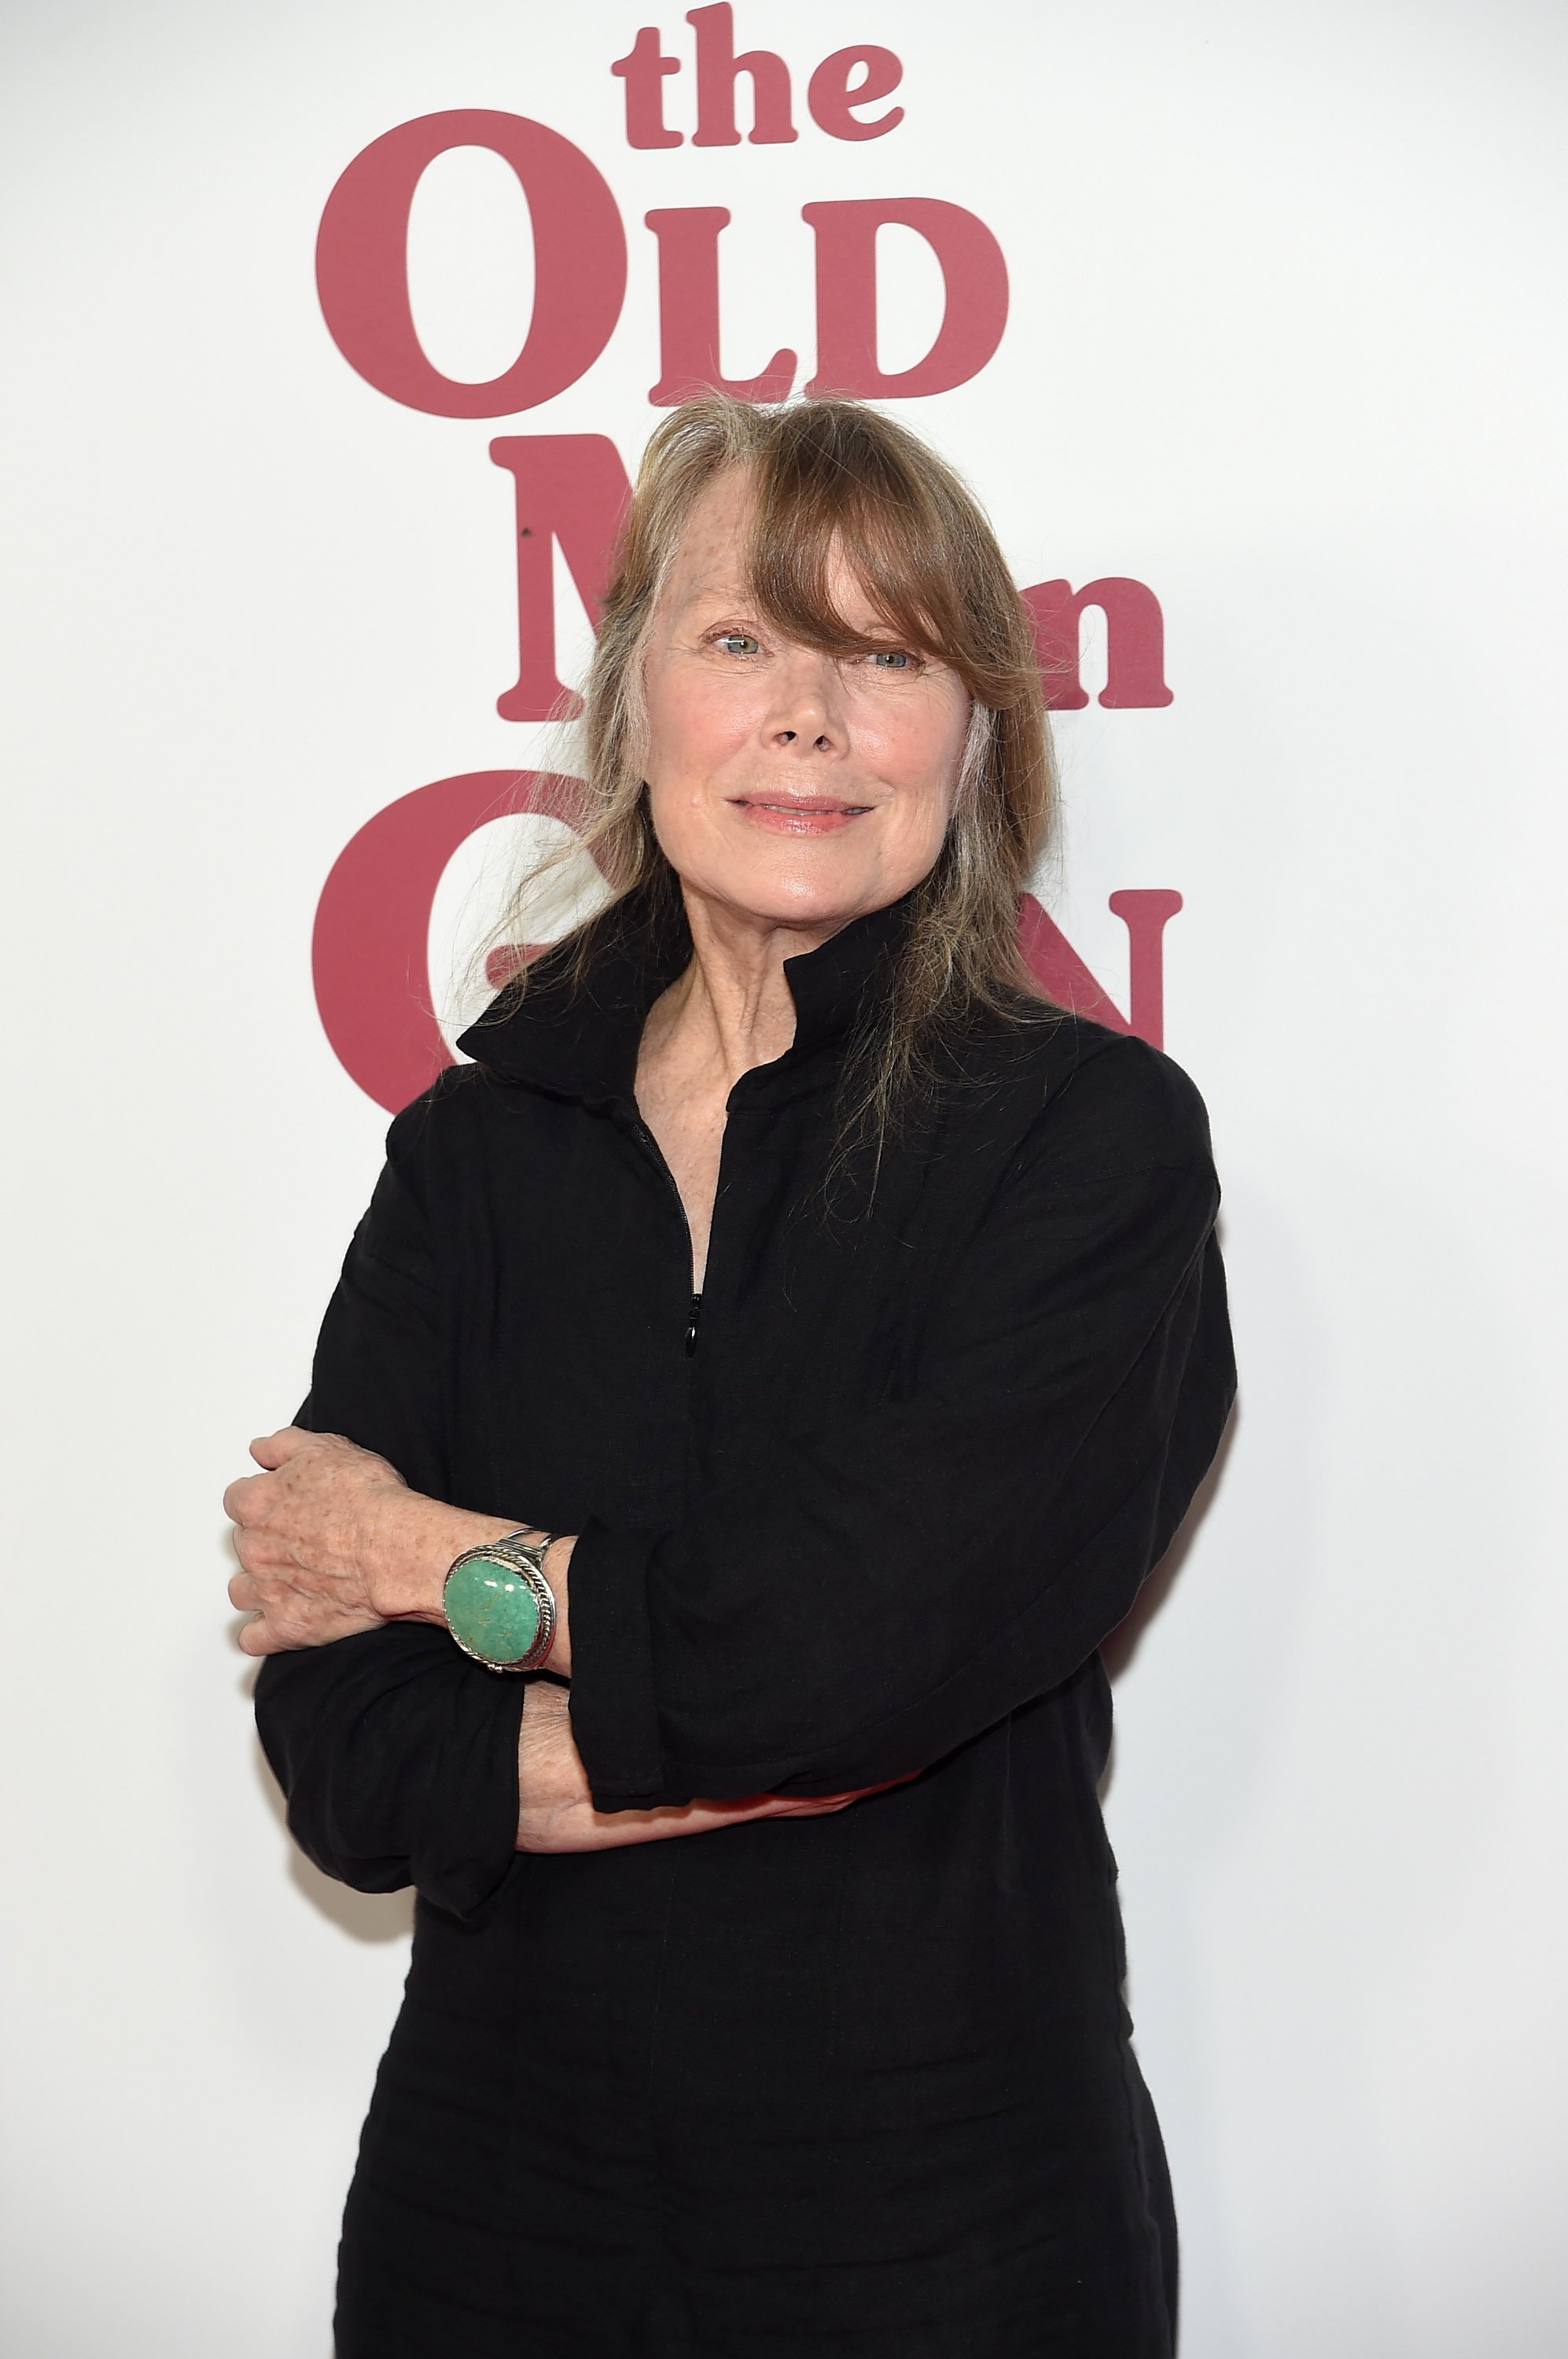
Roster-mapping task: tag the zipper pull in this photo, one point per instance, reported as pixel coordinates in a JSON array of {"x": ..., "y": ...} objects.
[{"x": 695, "y": 1313}]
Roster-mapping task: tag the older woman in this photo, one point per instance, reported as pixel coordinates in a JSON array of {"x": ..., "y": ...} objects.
[{"x": 788, "y": 1344}]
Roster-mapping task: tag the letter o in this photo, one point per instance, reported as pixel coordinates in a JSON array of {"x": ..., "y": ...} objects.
[{"x": 580, "y": 262}]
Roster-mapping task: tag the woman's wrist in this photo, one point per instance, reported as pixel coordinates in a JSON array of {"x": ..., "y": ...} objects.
[
  {"x": 413, "y": 1549},
  {"x": 412, "y": 1553}
]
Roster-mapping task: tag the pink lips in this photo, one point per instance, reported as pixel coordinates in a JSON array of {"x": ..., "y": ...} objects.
[{"x": 798, "y": 814}]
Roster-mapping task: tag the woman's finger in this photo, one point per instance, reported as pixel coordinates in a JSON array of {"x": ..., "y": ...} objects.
[
  {"x": 812, "y": 1805},
  {"x": 275, "y": 1450},
  {"x": 243, "y": 1594},
  {"x": 258, "y": 1551},
  {"x": 246, "y": 1498}
]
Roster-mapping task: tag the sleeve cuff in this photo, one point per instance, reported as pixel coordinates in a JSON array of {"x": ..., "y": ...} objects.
[
  {"x": 398, "y": 1759},
  {"x": 467, "y": 1845},
  {"x": 615, "y": 1720}
]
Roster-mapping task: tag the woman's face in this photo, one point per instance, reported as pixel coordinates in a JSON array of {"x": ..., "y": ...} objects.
[{"x": 796, "y": 787}]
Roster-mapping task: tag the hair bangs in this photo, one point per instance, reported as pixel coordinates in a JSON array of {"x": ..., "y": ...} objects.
[{"x": 819, "y": 503}]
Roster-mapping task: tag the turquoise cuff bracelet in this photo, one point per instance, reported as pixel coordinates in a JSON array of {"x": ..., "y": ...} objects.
[{"x": 498, "y": 1605}]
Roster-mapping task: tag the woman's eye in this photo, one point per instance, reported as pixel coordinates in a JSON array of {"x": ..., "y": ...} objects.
[
  {"x": 738, "y": 643},
  {"x": 892, "y": 659}
]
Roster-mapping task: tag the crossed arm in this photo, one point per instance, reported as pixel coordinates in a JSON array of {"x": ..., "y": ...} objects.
[
  {"x": 794, "y": 1639},
  {"x": 332, "y": 1542}
]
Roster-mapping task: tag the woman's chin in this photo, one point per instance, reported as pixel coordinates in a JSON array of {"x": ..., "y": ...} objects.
[{"x": 812, "y": 893}]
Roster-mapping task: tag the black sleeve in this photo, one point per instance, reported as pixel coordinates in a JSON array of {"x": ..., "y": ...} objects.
[
  {"x": 875, "y": 1592},
  {"x": 397, "y": 1755}
]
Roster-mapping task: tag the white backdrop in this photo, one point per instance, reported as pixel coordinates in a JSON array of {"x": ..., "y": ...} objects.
[{"x": 1286, "y": 344}]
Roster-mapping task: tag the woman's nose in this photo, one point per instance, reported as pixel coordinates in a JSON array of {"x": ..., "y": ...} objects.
[{"x": 807, "y": 713}]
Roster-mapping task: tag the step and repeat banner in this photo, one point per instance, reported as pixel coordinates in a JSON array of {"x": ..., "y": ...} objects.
[{"x": 335, "y": 333}]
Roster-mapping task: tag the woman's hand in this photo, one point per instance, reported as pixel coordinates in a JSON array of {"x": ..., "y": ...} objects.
[
  {"x": 555, "y": 1808},
  {"x": 331, "y": 1540}
]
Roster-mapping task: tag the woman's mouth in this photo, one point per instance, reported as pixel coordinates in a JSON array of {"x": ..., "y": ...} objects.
[{"x": 799, "y": 814}]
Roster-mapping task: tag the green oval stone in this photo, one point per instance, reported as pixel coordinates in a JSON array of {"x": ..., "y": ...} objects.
[{"x": 493, "y": 1610}]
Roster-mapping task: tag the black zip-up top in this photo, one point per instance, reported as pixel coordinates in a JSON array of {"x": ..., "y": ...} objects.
[{"x": 856, "y": 2085}]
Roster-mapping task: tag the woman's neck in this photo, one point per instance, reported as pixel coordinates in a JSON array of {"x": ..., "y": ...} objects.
[{"x": 732, "y": 1009}]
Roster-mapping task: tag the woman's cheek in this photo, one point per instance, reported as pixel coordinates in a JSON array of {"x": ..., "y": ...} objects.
[{"x": 924, "y": 809}]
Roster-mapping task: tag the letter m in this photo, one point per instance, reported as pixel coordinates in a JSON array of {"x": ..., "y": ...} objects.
[{"x": 572, "y": 493}]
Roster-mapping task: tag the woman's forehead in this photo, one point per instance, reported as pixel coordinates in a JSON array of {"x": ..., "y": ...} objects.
[
  {"x": 712, "y": 558},
  {"x": 714, "y": 545}
]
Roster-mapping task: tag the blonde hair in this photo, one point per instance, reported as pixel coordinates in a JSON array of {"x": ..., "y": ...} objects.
[{"x": 832, "y": 478}]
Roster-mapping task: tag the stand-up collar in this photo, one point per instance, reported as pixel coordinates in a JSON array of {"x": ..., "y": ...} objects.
[{"x": 579, "y": 1037}]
